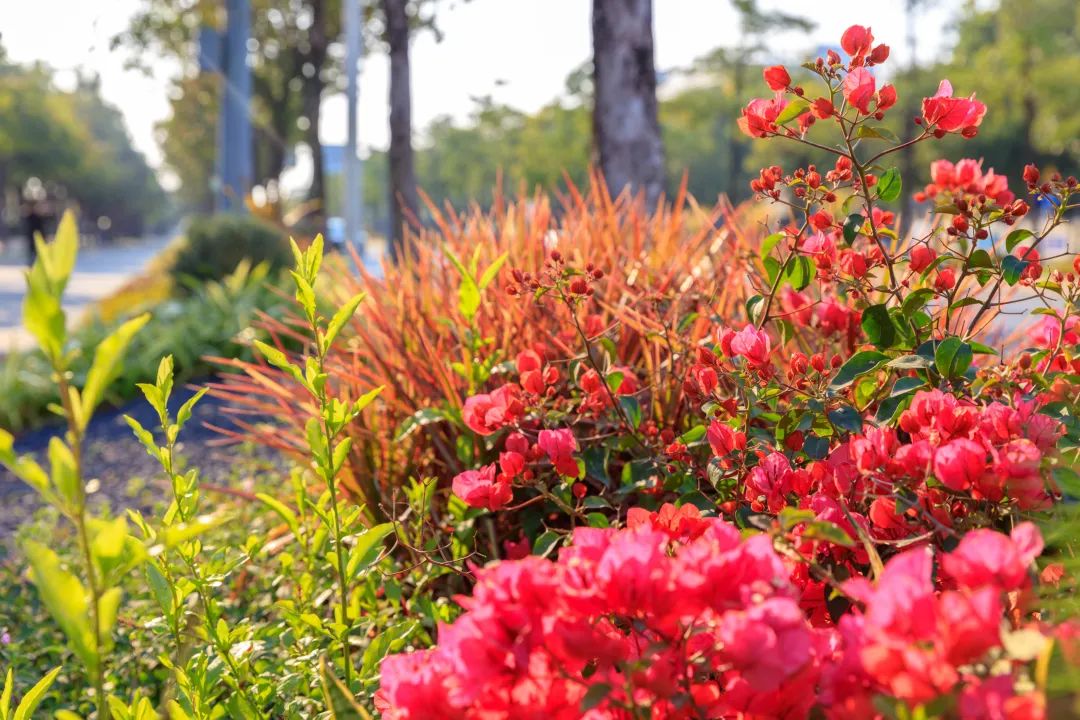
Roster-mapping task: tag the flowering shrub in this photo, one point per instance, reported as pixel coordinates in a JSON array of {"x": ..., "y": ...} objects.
[
  {"x": 677, "y": 616},
  {"x": 864, "y": 424},
  {"x": 434, "y": 331}
]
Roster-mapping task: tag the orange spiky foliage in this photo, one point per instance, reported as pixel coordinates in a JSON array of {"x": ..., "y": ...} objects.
[{"x": 669, "y": 276}]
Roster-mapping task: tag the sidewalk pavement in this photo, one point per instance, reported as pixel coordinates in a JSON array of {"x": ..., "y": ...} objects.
[{"x": 99, "y": 271}]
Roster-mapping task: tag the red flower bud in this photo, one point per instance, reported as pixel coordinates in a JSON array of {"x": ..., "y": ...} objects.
[{"x": 1031, "y": 174}]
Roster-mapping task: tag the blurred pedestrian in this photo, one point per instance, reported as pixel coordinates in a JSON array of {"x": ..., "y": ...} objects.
[{"x": 35, "y": 225}]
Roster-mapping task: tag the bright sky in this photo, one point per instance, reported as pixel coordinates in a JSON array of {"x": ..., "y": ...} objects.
[{"x": 518, "y": 51}]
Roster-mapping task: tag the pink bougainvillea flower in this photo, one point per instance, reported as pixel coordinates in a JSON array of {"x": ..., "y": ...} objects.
[
  {"x": 952, "y": 114},
  {"x": 752, "y": 344},
  {"x": 487, "y": 413},
  {"x": 960, "y": 463},
  {"x": 859, "y": 89},
  {"x": 759, "y": 117},
  {"x": 482, "y": 489},
  {"x": 560, "y": 446},
  {"x": 987, "y": 558}
]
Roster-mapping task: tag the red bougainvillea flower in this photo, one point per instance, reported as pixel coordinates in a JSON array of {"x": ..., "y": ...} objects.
[
  {"x": 856, "y": 41},
  {"x": 952, "y": 114},
  {"x": 921, "y": 257},
  {"x": 859, "y": 89},
  {"x": 777, "y": 77},
  {"x": 560, "y": 446},
  {"x": 886, "y": 97},
  {"x": 481, "y": 488},
  {"x": 486, "y": 413},
  {"x": 966, "y": 177},
  {"x": 759, "y": 117},
  {"x": 723, "y": 439}
]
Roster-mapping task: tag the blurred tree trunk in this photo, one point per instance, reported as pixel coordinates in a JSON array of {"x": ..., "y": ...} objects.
[
  {"x": 311, "y": 93},
  {"x": 626, "y": 130},
  {"x": 403, "y": 195}
]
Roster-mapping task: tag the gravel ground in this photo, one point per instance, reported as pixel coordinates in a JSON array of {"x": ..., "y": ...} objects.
[{"x": 120, "y": 472}]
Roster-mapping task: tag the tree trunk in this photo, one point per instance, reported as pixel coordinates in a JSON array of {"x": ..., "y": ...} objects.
[
  {"x": 403, "y": 196},
  {"x": 625, "y": 126},
  {"x": 312, "y": 104}
]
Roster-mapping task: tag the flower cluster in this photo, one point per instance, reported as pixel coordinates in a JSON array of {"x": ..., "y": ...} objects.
[{"x": 680, "y": 615}]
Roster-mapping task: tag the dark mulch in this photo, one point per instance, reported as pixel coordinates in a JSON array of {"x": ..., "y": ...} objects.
[{"x": 118, "y": 468}]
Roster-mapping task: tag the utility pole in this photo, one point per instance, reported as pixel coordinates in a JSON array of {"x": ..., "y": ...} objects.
[
  {"x": 234, "y": 137},
  {"x": 354, "y": 200}
]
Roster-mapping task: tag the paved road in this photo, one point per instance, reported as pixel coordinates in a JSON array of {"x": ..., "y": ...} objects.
[{"x": 99, "y": 272}]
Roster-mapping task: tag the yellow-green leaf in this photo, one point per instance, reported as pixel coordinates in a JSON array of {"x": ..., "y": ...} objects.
[
  {"x": 34, "y": 695},
  {"x": 108, "y": 361}
]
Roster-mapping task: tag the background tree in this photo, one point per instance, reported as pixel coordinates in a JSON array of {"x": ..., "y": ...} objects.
[
  {"x": 294, "y": 61},
  {"x": 625, "y": 125}
]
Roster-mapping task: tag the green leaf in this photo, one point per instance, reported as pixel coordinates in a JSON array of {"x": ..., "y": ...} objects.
[
  {"x": 305, "y": 294},
  {"x": 632, "y": 408},
  {"x": 184, "y": 413},
  {"x": 980, "y": 259},
  {"x": 876, "y": 132},
  {"x": 693, "y": 435},
  {"x": 878, "y": 326},
  {"x": 910, "y": 362},
  {"x": 769, "y": 243},
  {"x": 468, "y": 291},
  {"x": 366, "y": 399},
  {"x": 108, "y": 362},
  {"x": 792, "y": 110},
  {"x": 1012, "y": 267},
  {"x": 799, "y": 271},
  {"x": 492, "y": 271},
  {"x": 5, "y": 696},
  {"x": 847, "y": 418},
  {"x": 858, "y": 364},
  {"x": 340, "y": 702},
  {"x": 282, "y": 510},
  {"x": 852, "y": 226},
  {"x": 595, "y": 695},
  {"x": 1016, "y": 237},
  {"x": 953, "y": 357},
  {"x": 389, "y": 640},
  {"x": 44, "y": 318},
  {"x": 34, "y": 696},
  {"x": 66, "y": 600},
  {"x": 367, "y": 549},
  {"x": 279, "y": 360},
  {"x": 546, "y": 543},
  {"x": 916, "y": 301},
  {"x": 63, "y": 471},
  {"x": 342, "y": 316},
  {"x": 889, "y": 185}
]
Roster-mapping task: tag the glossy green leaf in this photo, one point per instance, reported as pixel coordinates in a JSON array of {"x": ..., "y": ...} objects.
[
  {"x": 367, "y": 548},
  {"x": 858, "y": 364},
  {"x": 852, "y": 226},
  {"x": 799, "y": 271},
  {"x": 1012, "y": 267},
  {"x": 878, "y": 326},
  {"x": 889, "y": 185},
  {"x": 1016, "y": 237},
  {"x": 953, "y": 357},
  {"x": 792, "y": 110}
]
